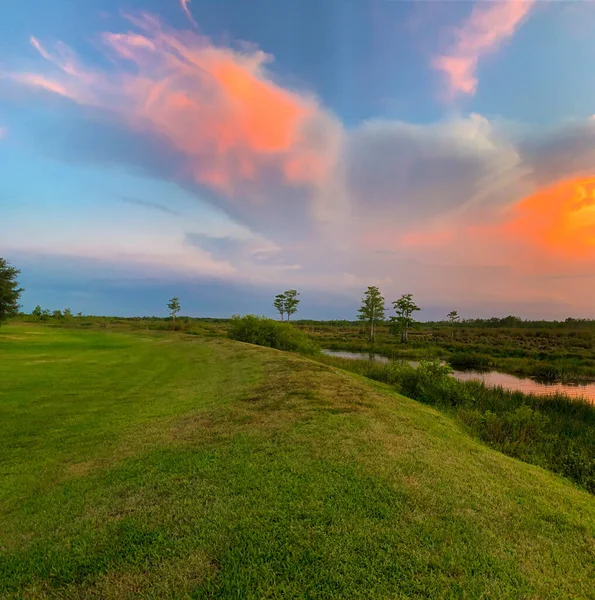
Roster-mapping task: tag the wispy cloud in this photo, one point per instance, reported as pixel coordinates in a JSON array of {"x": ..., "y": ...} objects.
[
  {"x": 185, "y": 7},
  {"x": 489, "y": 25},
  {"x": 151, "y": 205},
  {"x": 34, "y": 80},
  {"x": 250, "y": 128},
  {"x": 3, "y": 132}
]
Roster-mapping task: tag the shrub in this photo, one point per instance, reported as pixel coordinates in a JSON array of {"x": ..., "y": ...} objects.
[
  {"x": 273, "y": 334},
  {"x": 471, "y": 361}
]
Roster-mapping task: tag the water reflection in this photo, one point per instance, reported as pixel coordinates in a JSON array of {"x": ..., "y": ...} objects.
[{"x": 492, "y": 378}]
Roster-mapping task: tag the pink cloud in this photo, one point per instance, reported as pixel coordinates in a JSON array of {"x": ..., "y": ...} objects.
[
  {"x": 217, "y": 106},
  {"x": 186, "y": 9},
  {"x": 2, "y": 132},
  {"x": 489, "y": 25},
  {"x": 39, "y": 81}
]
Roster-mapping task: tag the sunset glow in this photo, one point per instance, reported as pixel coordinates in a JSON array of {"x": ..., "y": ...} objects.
[{"x": 560, "y": 219}]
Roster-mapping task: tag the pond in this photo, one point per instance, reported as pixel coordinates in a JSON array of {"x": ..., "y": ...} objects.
[{"x": 493, "y": 378}]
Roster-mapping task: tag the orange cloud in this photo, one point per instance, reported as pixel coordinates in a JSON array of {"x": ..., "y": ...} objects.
[
  {"x": 217, "y": 106},
  {"x": 185, "y": 8},
  {"x": 488, "y": 26},
  {"x": 560, "y": 220}
]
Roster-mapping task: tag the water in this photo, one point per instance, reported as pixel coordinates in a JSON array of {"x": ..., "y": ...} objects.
[{"x": 493, "y": 378}]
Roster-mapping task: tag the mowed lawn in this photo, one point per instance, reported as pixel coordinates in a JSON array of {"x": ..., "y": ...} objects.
[{"x": 156, "y": 465}]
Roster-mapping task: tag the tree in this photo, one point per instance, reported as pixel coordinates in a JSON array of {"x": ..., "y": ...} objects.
[
  {"x": 372, "y": 309},
  {"x": 174, "y": 307},
  {"x": 291, "y": 302},
  {"x": 36, "y": 312},
  {"x": 67, "y": 313},
  {"x": 10, "y": 292},
  {"x": 57, "y": 314},
  {"x": 279, "y": 304},
  {"x": 404, "y": 307},
  {"x": 453, "y": 317},
  {"x": 45, "y": 314}
]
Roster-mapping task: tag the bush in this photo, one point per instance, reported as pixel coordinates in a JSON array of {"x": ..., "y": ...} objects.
[
  {"x": 266, "y": 332},
  {"x": 471, "y": 361}
]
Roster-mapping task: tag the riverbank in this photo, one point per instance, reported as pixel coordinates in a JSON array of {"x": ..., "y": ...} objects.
[
  {"x": 579, "y": 389},
  {"x": 555, "y": 432}
]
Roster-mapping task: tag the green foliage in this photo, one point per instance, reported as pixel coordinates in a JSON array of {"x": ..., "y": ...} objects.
[
  {"x": 267, "y": 332},
  {"x": 279, "y": 304},
  {"x": 36, "y": 312},
  {"x": 453, "y": 318},
  {"x": 372, "y": 309},
  {"x": 174, "y": 307},
  {"x": 470, "y": 361},
  {"x": 67, "y": 313},
  {"x": 291, "y": 302},
  {"x": 287, "y": 303},
  {"x": 57, "y": 314},
  {"x": 10, "y": 292},
  {"x": 404, "y": 307}
]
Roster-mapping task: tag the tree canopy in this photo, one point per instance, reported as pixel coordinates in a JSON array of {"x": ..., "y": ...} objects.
[
  {"x": 372, "y": 309},
  {"x": 404, "y": 307},
  {"x": 10, "y": 292}
]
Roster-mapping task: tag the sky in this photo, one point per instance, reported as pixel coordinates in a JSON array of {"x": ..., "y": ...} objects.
[{"x": 223, "y": 151}]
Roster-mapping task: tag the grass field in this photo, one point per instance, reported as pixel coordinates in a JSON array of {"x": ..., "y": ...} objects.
[{"x": 159, "y": 465}]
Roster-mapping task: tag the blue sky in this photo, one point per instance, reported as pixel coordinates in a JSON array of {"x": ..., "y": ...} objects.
[{"x": 242, "y": 148}]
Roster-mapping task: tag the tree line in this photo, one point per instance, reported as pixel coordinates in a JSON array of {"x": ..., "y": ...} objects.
[{"x": 372, "y": 311}]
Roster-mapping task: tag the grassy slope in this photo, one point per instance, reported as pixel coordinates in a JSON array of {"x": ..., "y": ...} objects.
[{"x": 149, "y": 465}]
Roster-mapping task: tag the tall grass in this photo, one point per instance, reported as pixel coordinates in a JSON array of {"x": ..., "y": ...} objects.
[{"x": 555, "y": 432}]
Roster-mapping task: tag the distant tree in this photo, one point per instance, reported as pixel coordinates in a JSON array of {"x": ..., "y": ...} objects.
[
  {"x": 291, "y": 302},
  {"x": 45, "y": 314},
  {"x": 10, "y": 292},
  {"x": 404, "y": 307},
  {"x": 36, "y": 312},
  {"x": 57, "y": 314},
  {"x": 67, "y": 313},
  {"x": 453, "y": 317},
  {"x": 174, "y": 307},
  {"x": 79, "y": 315},
  {"x": 372, "y": 309},
  {"x": 279, "y": 304}
]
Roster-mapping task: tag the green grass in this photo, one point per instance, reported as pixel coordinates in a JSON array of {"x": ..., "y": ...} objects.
[{"x": 156, "y": 465}]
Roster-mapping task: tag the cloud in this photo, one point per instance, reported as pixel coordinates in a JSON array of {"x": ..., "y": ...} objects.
[
  {"x": 38, "y": 81},
  {"x": 185, "y": 7},
  {"x": 467, "y": 210},
  {"x": 151, "y": 205},
  {"x": 224, "y": 120},
  {"x": 488, "y": 26},
  {"x": 3, "y": 132},
  {"x": 235, "y": 130}
]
